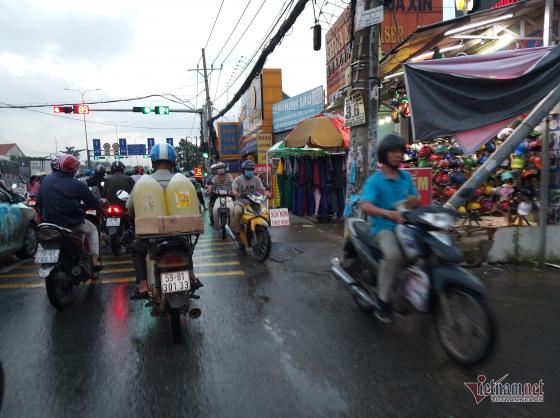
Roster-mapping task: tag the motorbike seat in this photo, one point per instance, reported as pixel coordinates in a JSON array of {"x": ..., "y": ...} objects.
[
  {"x": 72, "y": 237},
  {"x": 363, "y": 231}
]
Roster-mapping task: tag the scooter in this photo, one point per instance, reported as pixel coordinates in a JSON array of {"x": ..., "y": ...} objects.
[
  {"x": 225, "y": 205},
  {"x": 255, "y": 222},
  {"x": 429, "y": 281}
]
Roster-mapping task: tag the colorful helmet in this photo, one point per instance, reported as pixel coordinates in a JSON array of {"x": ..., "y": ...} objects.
[
  {"x": 488, "y": 190},
  {"x": 490, "y": 147},
  {"x": 462, "y": 210},
  {"x": 425, "y": 152},
  {"x": 524, "y": 208},
  {"x": 435, "y": 192},
  {"x": 248, "y": 165},
  {"x": 423, "y": 163},
  {"x": 535, "y": 145},
  {"x": 478, "y": 192},
  {"x": 443, "y": 163},
  {"x": 536, "y": 160},
  {"x": 117, "y": 165},
  {"x": 522, "y": 149},
  {"x": 163, "y": 152},
  {"x": 455, "y": 150},
  {"x": 469, "y": 162},
  {"x": 506, "y": 190},
  {"x": 449, "y": 191},
  {"x": 67, "y": 163},
  {"x": 441, "y": 178},
  {"x": 473, "y": 206},
  {"x": 527, "y": 192},
  {"x": 506, "y": 176},
  {"x": 100, "y": 170},
  {"x": 441, "y": 150},
  {"x": 505, "y": 133},
  {"x": 434, "y": 157},
  {"x": 457, "y": 177},
  {"x": 482, "y": 159},
  {"x": 529, "y": 173},
  {"x": 504, "y": 206},
  {"x": 517, "y": 163},
  {"x": 486, "y": 205}
]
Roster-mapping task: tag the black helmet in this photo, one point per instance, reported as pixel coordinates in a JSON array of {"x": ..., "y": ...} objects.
[
  {"x": 248, "y": 165},
  {"x": 117, "y": 166},
  {"x": 100, "y": 170},
  {"x": 54, "y": 163},
  {"x": 389, "y": 142}
]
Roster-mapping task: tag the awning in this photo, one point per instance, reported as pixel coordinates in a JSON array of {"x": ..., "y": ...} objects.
[
  {"x": 248, "y": 147},
  {"x": 510, "y": 18},
  {"x": 280, "y": 150},
  {"x": 325, "y": 130}
]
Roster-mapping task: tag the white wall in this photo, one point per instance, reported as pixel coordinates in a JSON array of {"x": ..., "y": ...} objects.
[{"x": 504, "y": 244}]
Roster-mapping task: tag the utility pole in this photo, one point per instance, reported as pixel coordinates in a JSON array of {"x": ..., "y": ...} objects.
[{"x": 365, "y": 80}]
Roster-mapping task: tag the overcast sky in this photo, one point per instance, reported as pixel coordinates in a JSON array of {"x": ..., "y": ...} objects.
[{"x": 134, "y": 48}]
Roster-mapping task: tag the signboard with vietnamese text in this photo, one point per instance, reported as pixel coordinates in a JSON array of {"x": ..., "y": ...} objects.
[
  {"x": 423, "y": 181},
  {"x": 369, "y": 17},
  {"x": 339, "y": 52},
  {"x": 354, "y": 110},
  {"x": 279, "y": 217},
  {"x": 264, "y": 142},
  {"x": 263, "y": 168},
  {"x": 228, "y": 140},
  {"x": 402, "y": 17},
  {"x": 287, "y": 113}
]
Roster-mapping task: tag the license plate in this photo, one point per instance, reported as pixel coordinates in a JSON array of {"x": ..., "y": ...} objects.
[
  {"x": 91, "y": 212},
  {"x": 47, "y": 256},
  {"x": 113, "y": 221},
  {"x": 177, "y": 281}
]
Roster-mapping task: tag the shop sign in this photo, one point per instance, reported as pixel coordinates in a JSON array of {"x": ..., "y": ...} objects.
[
  {"x": 251, "y": 107},
  {"x": 354, "y": 110},
  {"x": 233, "y": 166},
  {"x": 288, "y": 113},
  {"x": 402, "y": 17},
  {"x": 263, "y": 168},
  {"x": 228, "y": 139},
  {"x": 369, "y": 17},
  {"x": 279, "y": 217},
  {"x": 264, "y": 142},
  {"x": 339, "y": 53},
  {"x": 422, "y": 178},
  {"x": 198, "y": 173}
]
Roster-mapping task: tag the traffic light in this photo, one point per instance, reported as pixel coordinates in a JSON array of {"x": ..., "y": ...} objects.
[
  {"x": 143, "y": 109},
  {"x": 204, "y": 149},
  {"x": 205, "y": 155},
  {"x": 161, "y": 110},
  {"x": 82, "y": 109},
  {"x": 63, "y": 109}
]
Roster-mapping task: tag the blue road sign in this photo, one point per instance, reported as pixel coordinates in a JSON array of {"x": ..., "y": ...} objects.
[
  {"x": 169, "y": 141},
  {"x": 122, "y": 146},
  {"x": 151, "y": 143},
  {"x": 96, "y": 147},
  {"x": 136, "y": 149}
]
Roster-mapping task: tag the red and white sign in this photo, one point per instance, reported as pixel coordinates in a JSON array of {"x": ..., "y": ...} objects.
[
  {"x": 197, "y": 173},
  {"x": 263, "y": 168},
  {"x": 279, "y": 217},
  {"x": 423, "y": 181}
]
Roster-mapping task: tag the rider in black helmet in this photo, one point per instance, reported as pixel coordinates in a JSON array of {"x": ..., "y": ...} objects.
[
  {"x": 95, "y": 181},
  {"x": 382, "y": 191},
  {"x": 117, "y": 181}
]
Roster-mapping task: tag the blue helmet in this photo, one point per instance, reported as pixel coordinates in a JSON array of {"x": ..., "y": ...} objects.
[{"x": 163, "y": 152}]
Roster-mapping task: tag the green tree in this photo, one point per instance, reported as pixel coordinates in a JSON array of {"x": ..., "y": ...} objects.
[
  {"x": 188, "y": 155},
  {"x": 73, "y": 151}
]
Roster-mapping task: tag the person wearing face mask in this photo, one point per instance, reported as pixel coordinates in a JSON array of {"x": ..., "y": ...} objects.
[
  {"x": 222, "y": 180},
  {"x": 247, "y": 183}
]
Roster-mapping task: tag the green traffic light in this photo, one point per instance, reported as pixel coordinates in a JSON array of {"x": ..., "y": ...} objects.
[
  {"x": 205, "y": 154},
  {"x": 161, "y": 110}
]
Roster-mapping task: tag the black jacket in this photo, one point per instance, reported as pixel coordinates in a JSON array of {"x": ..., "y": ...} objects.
[{"x": 115, "y": 183}]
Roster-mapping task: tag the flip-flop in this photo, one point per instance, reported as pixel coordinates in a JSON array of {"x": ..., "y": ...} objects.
[{"x": 137, "y": 296}]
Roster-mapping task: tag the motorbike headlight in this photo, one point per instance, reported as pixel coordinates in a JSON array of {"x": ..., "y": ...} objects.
[{"x": 439, "y": 220}]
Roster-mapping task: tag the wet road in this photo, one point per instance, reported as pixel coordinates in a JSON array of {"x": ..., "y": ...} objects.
[{"x": 282, "y": 339}]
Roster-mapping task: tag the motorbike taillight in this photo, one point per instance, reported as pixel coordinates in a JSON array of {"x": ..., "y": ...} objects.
[
  {"x": 114, "y": 210},
  {"x": 172, "y": 261}
]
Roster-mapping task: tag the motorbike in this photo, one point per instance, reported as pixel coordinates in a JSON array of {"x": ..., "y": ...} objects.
[
  {"x": 225, "y": 203},
  {"x": 64, "y": 262},
  {"x": 430, "y": 281},
  {"x": 255, "y": 222},
  {"x": 116, "y": 226}
]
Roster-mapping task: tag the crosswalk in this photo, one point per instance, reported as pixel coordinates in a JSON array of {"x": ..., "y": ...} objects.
[{"x": 212, "y": 258}]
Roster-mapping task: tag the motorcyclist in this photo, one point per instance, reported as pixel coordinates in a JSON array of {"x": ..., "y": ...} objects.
[
  {"x": 96, "y": 181},
  {"x": 117, "y": 181},
  {"x": 60, "y": 202},
  {"x": 163, "y": 161},
  {"x": 198, "y": 188},
  {"x": 247, "y": 183},
  {"x": 222, "y": 180},
  {"x": 382, "y": 191}
]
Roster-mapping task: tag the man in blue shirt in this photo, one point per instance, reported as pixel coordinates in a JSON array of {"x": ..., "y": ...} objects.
[{"x": 382, "y": 191}]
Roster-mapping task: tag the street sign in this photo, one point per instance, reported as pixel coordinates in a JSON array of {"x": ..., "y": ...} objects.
[
  {"x": 169, "y": 141},
  {"x": 279, "y": 217},
  {"x": 370, "y": 17},
  {"x": 96, "y": 147},
  {"x": 107, "y": 152},
  {"x": 115, "y": 146},
  {"x": 354, "y": 111},
  {"x": 151, "y": 143},
  {"x": 136, "y": 149},
  {"x": 122, "y": 146},
  {"x": 106, "y": 146}
]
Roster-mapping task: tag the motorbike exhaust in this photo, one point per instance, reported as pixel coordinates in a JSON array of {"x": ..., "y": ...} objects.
[
  {"x": 194, "y": 309},
  {"x": 351, "y": 284}
]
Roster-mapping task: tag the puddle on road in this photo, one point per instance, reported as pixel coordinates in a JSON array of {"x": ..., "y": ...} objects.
[{"x": 317, "y": 398}]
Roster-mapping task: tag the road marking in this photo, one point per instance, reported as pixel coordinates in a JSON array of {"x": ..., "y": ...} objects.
[
  {"x": 18, "y": 285},
  {"x": 119, "y": 261},
  {"x": 218, "y": 244},
  {"x": 17, "y": 264}
]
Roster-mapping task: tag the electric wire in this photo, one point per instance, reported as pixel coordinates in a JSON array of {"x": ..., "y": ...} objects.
[
  {"x": 214, "y": 25},
  {"x": 232, "y": 32}
]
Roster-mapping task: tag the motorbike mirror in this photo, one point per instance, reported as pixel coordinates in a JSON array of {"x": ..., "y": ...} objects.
[
  {"x": 102, "y": 184},
  {"x": 123, "y": 195}
]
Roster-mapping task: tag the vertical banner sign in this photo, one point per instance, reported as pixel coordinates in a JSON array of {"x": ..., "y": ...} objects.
[
  {"x": 151, "y": 143},
  {"x": 339, "y": 52},
  {"x": 228, "y": 140},
  {"x": 554, "y": 179},
  {"x": 96, "y": 147},
  {"x": 264, "y": 142},
  {"x": 122, "y": 146},
  {"x": 422, "y": 178},
  {"x": 169, "y": 141}
]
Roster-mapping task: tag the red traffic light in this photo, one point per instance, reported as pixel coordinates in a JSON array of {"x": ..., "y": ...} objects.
[
  {"x": 81, "y": 109},
  {"x": 62, "y": 109}
]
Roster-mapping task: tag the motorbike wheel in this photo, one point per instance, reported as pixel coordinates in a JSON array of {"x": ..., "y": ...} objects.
[
  {"x": 466, "y": 341},
  {"x": 175, "y": 322},
  {"x": 261, "y": 245},
  {"x": 115, "y": 245},
  {"x": 60, "y": 290},
  {"x": 29, "y": 243},
  {"x": 223, "y": 222}
]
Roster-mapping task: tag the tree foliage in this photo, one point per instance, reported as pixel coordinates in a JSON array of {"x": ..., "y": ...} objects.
[
  {"x": 188, "y": 155},
  {"x": 72, "y": 151}
]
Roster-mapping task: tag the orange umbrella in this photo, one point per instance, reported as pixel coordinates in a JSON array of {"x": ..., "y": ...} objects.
[{"x": 325, "y": 130}]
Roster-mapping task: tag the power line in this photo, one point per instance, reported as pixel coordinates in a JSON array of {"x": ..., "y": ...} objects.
[
  {"x": 214, "y": 25},
  {"x": 230, "y": 35}
]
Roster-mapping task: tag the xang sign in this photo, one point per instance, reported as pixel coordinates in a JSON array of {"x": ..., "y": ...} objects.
[
  {"x": 288, "y": 113},
  {"x": 402, "y": 17}
]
